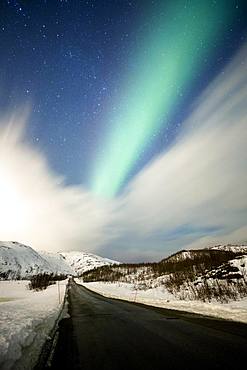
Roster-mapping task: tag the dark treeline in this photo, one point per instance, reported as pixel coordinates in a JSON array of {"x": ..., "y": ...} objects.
[
  {"x": 202, "y": 275},
  {"x": 200, "y": 262},
  {"x": 42, "y": 281}
]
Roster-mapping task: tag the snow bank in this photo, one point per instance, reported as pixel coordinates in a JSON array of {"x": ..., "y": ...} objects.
[
  {"x": 26, "y": 319},
  {"x": 159, "y": 297}
]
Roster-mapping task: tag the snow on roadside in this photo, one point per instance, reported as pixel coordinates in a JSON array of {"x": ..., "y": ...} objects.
[
  {"x": 26, "y": 319},
  {"x": 159, "y": 297}
]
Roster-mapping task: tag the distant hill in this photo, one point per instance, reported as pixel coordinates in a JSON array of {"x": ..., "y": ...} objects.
[
  {"x": 81, "y": 262},
  {"x": 217, "y": 273},
  {"x": 192, "y": 254},
  {"x": 57, "y": 262},
  {"x": 236, "y": 248},
  {"x": 18, "y": 261}
]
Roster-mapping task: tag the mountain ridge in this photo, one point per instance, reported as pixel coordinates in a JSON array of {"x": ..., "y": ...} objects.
[
  {"x": 19, "y": 261},
  {"x": 193, "y": 253}
]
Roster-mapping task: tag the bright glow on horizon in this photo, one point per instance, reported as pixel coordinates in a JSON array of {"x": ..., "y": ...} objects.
[{"x": 36, "y": 207}]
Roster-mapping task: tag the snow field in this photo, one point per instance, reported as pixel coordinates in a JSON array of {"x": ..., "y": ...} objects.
[{"x": 26, "y": 319}]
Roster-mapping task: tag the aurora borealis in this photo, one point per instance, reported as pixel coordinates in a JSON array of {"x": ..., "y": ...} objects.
[
  {"x": 168, "y": 60},
  {"x": 123, "y": 125}
]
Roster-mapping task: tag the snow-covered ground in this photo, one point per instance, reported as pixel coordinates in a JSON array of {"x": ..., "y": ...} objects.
[
  {"x": 160, "y": 297},
  {"x": 26, "y": 319}
]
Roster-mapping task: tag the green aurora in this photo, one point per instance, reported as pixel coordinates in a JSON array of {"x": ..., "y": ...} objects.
[{"x": 169, "y": 58}]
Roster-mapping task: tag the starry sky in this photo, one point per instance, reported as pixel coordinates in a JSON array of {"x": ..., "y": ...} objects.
[{"x": 110, "y": 84}]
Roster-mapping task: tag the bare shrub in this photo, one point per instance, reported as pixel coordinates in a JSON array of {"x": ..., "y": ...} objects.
[{"x": 42, "y": 281}]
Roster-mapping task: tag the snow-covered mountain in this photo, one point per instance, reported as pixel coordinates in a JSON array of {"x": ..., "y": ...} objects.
[
  {"x": 57, "y": 262},
  {"x": 18, "y": 261},
  {"x": 81, "y": 262}
]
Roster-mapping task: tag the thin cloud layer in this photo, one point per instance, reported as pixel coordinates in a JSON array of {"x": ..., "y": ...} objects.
[{"x": 192, "y": 195}]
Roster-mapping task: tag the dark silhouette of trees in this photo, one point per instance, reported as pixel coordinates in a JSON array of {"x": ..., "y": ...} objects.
[{"x": 42, "y": 281}]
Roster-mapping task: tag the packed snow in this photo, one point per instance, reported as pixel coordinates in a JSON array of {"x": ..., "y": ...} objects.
[
  {"x": 26, "y": 319},
  {"x": 160, "y": 297}
]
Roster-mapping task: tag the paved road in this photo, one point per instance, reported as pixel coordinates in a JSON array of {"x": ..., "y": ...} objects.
[{"x": 107, "y": 334}]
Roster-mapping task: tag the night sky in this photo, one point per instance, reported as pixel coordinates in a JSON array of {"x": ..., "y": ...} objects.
[{"x": 110, "y": 84}]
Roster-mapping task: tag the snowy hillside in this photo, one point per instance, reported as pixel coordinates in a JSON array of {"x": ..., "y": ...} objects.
[
  {"x": 57, "y": 263},
  {"x": 230, "y": 247},
  {"x": 181, "y": 255},
  {"x": 195, "y": 253},
  {"x": 18, "y": 261},
  {"x": 215, "y": 274},
  {"x": 81, "y": 262},
  {"x": 233, "y": 269}
]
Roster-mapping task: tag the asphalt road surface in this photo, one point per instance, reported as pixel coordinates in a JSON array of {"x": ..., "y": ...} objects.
[{"x": 108, "y": 334}]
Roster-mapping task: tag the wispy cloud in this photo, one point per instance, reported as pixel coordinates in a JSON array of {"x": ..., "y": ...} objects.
[
  {"x": 36, "y": 207},
  {"x": 192, "y": 195},
  {"x": 198, "y": 187}
]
